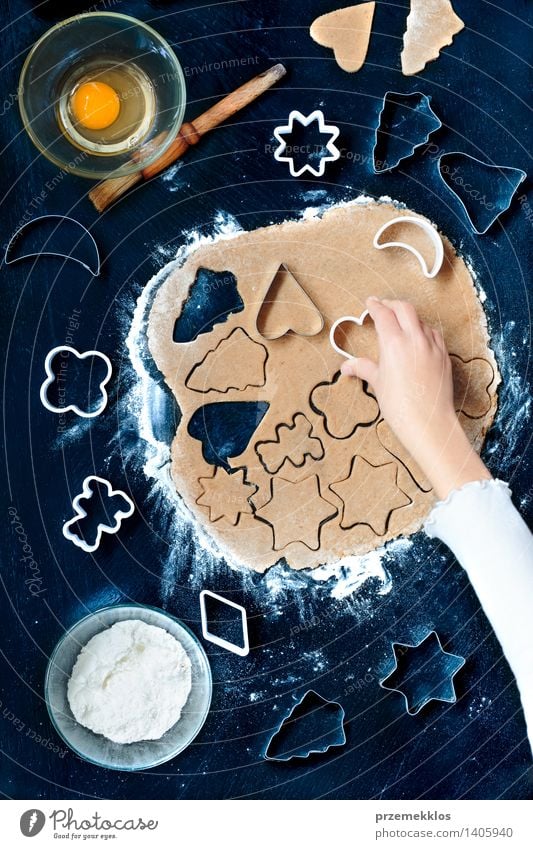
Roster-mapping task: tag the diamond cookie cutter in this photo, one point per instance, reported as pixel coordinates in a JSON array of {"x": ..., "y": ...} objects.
[
  {"x": 51, "y": 378},
  {"x": 345, "y": 319},
  {"x": 425, "y": 690},
  {"x": 312, "y": 703},
  {"x": 422, "y": 111},
  {"x": 428, "y": 229},
  {"x": 243, "y": 650},
  {"x": 305, "y": 121},
  {"x": 519, "y": 177},
  {"x": 36, "y": 221},
  {"x": 80, "y": 513}
]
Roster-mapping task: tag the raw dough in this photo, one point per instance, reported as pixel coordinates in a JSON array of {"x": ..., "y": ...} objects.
[
  {"x": 333, "y": 259},
  {"x": 347, "y": 32},
  {"x": 235, "y": 363},
  {"x": 431, "y": 25}
]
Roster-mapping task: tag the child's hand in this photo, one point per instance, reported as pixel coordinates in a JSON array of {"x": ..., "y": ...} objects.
[{"x": 414, "y": 388}]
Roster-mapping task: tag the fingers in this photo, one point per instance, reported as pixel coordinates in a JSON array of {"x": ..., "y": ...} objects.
[
  {"x": 383, "y": 317},
  {"x": 406, "y": 315},
  {"x": 360, "y": 367}
]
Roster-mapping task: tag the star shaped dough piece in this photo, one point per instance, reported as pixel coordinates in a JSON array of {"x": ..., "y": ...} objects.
[
  {"x": 370, "y": 494},
  {"x": 226, "y": 495},
  {"x": 296, "y": 512}
]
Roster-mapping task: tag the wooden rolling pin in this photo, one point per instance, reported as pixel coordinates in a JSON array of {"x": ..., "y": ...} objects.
[{"x": 107, "y": 192}]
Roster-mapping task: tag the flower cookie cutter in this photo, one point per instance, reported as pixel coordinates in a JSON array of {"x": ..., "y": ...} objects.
[
  {"x": 345, "y": 319},
  {"x": 243, "y": 650},
  {"x": 323, "y": 128},
  {"x": 80, "y": 513},
  {"x": 51, "y": 378},
  {"x": 40, "y": 219},
  {"x": 428, "y": 229}
]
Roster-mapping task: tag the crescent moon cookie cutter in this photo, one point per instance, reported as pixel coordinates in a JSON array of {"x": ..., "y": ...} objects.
[
  {"x": 323, "y": 128},
  {"x": 243, "y": 650},
  {"x": 40, "y": 218},
  {"x": 424, "y": 225},
  {"x": 345, "y": 319},
  {"x": 80, "y": 513},
  {"x": 51, "y": 378}
]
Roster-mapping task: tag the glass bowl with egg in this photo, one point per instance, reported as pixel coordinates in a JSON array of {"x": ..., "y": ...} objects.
[
  {"x": 114, "y": 671},
  {"x": 102, "y": 94}
]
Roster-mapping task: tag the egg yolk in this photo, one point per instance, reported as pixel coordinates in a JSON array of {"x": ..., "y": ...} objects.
[{"x": 95, "y": 105}]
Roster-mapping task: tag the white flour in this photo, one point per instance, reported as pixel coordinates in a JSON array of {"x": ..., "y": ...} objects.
[{"x": 130, "y": 682}]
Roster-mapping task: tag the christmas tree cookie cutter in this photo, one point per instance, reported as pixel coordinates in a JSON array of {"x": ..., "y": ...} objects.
[
  {"x": 318, "y": 740},
  {"x": 421, "y": 112},
  {"x": 51, "y": 378}
]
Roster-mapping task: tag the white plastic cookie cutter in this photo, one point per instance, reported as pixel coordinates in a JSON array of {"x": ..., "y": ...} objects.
[
  {"x": 428, "y": 229},
  {"x": 345, "y": 319},
  {"x": 305, "y": 121},
  {"x": 79, "y": 513},
  {"x": 243, "y": 650},
  {"x": 51, "y": 378}
]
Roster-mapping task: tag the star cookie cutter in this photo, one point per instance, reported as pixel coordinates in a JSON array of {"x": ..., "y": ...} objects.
[
  {"x": 506, "y": 198},
  {"x": 51, "y": 378},
  {"x": 428, "y": 229},
  {"x": 80, "y": 513},
  {"x": 421, "y": 111},
  {"x": 243, "y": 650},
  {"x": 332, "y": 737},
  {"x": 345, "y": 319},
  {"x": 36, "y": 221},
  {"x": 428, "y": 688},
  {"x": 305, "y": 121}
]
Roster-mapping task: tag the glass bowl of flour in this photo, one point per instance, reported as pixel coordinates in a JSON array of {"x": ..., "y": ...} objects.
[{"x": 124, "y": 665}]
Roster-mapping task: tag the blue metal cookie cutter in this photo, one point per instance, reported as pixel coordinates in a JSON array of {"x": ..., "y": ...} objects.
[
  {"x": 332, "y": 737},
  {"x": 421, "y": 110}
]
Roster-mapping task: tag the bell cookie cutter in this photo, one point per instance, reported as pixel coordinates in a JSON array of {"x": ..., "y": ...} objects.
[
  {"x": 394, "y": 98},
  {"x": 305, "y": 121},
  {"x": 243, "y": 650},
  {"x": 519, "y": 177},
  {"x": 17, "y": 234},
  {"x": 428, "y": 229},
  {"x": 80, "y": 513},
  {"x": 345, "y": 319},
  {"x": 336, "y": 734},
  {"x": 51, "y": 378},
  {"x": 454, "y": 663}
]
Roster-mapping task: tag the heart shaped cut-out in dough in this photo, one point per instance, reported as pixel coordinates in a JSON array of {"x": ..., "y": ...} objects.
[
  {"x": 345, "y": 319},
  {"x": 287, "y": 308},
  {"x": 347, "y": 32}
]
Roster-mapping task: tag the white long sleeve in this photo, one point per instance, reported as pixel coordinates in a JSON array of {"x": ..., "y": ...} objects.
[{"x": 495, "y": 547}]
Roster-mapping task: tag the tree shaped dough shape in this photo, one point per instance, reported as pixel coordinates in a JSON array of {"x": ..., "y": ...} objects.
[
  {"x": 347, "y": 32},
  {"x": 226, "y": 495},
  {"x": 345, "y": 406},
  {"x": 287, "y": 307},
  {"x": 296, "y": 512},
  {"x": 431, "y": 25},
  {"x": 471, "y": 382},
  {"x": 236, "y": 363},
  {"x": 369, "y": 494},
  {"x": 293, "y": 443}
]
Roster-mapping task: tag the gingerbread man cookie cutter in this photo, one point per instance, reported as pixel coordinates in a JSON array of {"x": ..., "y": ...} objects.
[{"x": 80, "y": 513}]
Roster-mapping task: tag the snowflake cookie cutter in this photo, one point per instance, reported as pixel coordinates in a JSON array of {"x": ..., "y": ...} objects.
[
  {"x": 38, "y": 220},
  {"x": 345, "y": 319},
  {"x": 428, "y": 688},
  {"x": 243, "y": 650},
  {"x": 430, "y": 231},
  {"x": 80, "y": 513},
  {"x": 421, "y": 109},
  {"x": 305, "y": 121},
  {"x": 334, "y": 737},
  {"x": 51, "y": 378}
]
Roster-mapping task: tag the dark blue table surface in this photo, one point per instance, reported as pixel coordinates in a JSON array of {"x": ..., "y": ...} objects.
[{"x": 301, "y": 634}]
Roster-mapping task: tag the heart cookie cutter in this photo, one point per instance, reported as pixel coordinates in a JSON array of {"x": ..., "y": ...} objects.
[
  {"x": 51, "y": 378},
  {"x": 428, "y": 229},
  {"x": 243, "y": 650},
  {"x": 40, "y": 219},
  {"x": 80, "y": 513},
  {"x": 345, "y": 319},
  {"x": 305, "y": 121}
]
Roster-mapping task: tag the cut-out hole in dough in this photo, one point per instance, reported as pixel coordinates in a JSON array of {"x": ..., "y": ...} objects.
[
  {"x": 293, "y": 443},
  {"x": 236, "y": 363},
  {"x": 287, "y": 308},
  {"x": 225, "y": 428},
  {"x": 370, "y": 494},
  {"x": 345, "y": 404},
  {"x": 296, "y": 512},
  {"x": 212, "y": 299}
]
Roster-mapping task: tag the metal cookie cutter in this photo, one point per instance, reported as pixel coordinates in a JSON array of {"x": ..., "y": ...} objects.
[
  {"x": 500, "y": 203},
  {"x": 80, "y": 513},
  {"x": 419, "y": 115},
  {"x": 312, "y": 726},
  {"x": 432, "y": 675},
  {"x": 243, "y": 650},
  {"x": 51, "y": 377},
  {"x": 305, "y": 121},
  {"x": 428, "y": 229},
  {"x": 345, "y": 319},
  {"x": 10, "y": 260}
]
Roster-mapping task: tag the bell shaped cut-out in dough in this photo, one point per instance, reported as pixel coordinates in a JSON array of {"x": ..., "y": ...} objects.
[
  {"x": 347, "y": 32},
  {"x": 287, "y": 307},
  {"x": 431, "y": 25}
]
